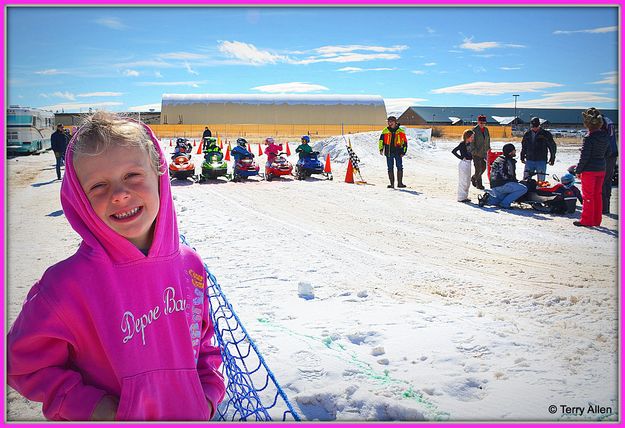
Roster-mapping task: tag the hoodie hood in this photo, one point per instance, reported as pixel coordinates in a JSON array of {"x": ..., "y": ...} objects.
[{"x": 103, "y": 241}]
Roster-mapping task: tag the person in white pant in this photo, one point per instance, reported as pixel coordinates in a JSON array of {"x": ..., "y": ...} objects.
[{"x": 463, "y": 152}]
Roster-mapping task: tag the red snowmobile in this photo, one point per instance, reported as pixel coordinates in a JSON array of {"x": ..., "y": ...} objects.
[{"x": 278, "y": 166}]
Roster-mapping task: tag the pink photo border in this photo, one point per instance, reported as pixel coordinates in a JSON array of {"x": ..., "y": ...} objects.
[{"x": 354, "y": 3}]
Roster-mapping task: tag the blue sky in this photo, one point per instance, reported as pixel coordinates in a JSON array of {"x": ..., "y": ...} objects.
[{"x": 124, "y": 59}]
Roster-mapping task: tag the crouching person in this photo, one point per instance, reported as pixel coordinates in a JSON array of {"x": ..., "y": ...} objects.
[{"x": 504, "y": 187}]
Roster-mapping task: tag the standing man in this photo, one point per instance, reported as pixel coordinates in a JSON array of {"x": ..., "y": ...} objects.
[
  {"x": 610, "y": 162},
  {"x": 479, "y": 151},
  {"x": 59, "y": 143},
  {"x": 534, "y": 146},
  {"x": 207, "y": 133},
  {"x": 393, "y": 144}
]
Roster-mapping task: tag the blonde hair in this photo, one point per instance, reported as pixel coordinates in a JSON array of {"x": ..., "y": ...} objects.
[
  {"x": 102, "y": 130},
  {"x": 466, "y": 134}
]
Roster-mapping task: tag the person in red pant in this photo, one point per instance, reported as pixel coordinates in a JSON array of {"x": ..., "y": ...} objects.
[{"x": 591, "y": 168}]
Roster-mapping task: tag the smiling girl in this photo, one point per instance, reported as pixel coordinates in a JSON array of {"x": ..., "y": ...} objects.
[{"x": 121, "y": 329}]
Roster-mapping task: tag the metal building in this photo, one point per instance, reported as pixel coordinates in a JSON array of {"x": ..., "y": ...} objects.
[
  {"x": 272, "y": 109},
  {"x": 566, "y": 118}
]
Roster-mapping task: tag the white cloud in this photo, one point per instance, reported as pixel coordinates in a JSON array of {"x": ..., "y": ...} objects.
[
  {"x": 430, "y": 64},
  {"x": 187, "y": 66},
  {"x": 50, "y": 72},
  {"x": 343, "y": 49},
  {"x": 581, "y": 100},
  {"x": 181, "y": 55},
  {"x": 43, "y": 95},
  {"x": 418, "y": 71},
  {"x": 249, "y": 54},
  {"x": 112, "y": 23},
  {"x": 158, "y": 74},
  {"x": 66, "y": 95},
  {"x": 429, "y": 30},
  {"x": 77, "y": 107},
  {"x": 360, "y": 70},
  {"x": 131, "y": 73},
  {"x": 509, "y": 68},
  {"x": 610, "y": 79},
  {"x": 599, "y": 30},
  {"x": 495, "y": 88},
  {"x": 396, "y": 106},
  {"x": 144, "y": 63},
  {"x": 193, "y": 84},
  {"x": 293, "y": 87},
  {"x": 146, "y": 107},
  {"x": 101, "y": 94},
  {"x": 351, "y": 57},
  {"x": 481, "y": 46}
]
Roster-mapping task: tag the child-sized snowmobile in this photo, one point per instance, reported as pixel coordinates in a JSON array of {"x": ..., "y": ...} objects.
[
  {"x": 244, "y": 165},
  {"x": 559, "y": 198},
  {"x": 308, "y": 165},
  {"x": 214, "y": 165},
  {"x": 181, "y": 167},
  {"x": 278, "y": 166}
]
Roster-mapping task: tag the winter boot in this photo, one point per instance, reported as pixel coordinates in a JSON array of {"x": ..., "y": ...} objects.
[
  {"x": 391, "y": 178},
  {"x": 400, "y": 176}
]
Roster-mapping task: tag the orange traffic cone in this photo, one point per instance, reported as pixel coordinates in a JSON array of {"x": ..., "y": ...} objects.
[
  {"x": 227, "y": 157},
  {"x": 349, "y": 177},
  {"x": 221, "y": 145},
  {"x": 328, "y": 168},
  {"x": 170, "y": 143},
  {"x": 199, "y": 149},
  {"x": 194, "y": 142},
  {"x": 260, "y": 150},
  {"x": 288, "y": 150}
]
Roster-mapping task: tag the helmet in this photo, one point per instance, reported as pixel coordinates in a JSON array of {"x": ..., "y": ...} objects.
[
  {"x": 269, "y": 140},
  {"x": 181, "y": 140},
  {"x": 567, "y": 179},
  {"x": 306, "y": 138},
  {"x": 571, "y": 169},
  {"x": 481, "y": 118},
  {"x": 241, "y": 141}
]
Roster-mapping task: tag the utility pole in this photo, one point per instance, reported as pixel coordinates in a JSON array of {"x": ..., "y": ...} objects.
[{"x": 515, "y": 97}]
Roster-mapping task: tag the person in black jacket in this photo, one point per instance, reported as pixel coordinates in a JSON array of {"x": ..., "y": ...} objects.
[
  {"x": 59, "y": 143},
  {"x": 534, "y": 146},
  {"x": 591, "y": 167},
  {"x": 505, "y": 188}
]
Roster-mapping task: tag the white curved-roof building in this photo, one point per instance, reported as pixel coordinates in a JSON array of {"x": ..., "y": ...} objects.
[{"x": 272, "y": 109}]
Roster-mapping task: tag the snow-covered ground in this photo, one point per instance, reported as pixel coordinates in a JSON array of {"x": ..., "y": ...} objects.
[{"x": 371, "y": 303}]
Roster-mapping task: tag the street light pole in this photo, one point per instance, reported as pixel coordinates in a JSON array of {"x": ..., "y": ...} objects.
[{"x": 515, "y": 97}]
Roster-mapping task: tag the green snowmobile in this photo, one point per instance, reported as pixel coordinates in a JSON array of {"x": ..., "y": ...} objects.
[{"x": 214, "y": 165}]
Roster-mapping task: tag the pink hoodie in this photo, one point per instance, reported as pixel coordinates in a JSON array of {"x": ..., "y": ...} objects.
[
  {"x": 272, "y": 151},
  {"x": 110, "y": 320}
]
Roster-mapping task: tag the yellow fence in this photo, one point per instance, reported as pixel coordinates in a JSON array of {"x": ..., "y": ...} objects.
[
  {"x": 456, "y": 131},
  {"x": 229, "y": 130},
  {"x": 260, "y": 131}
]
